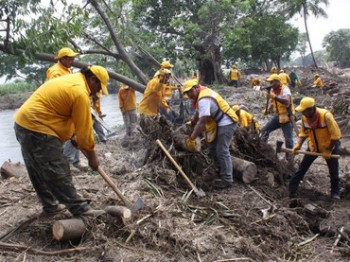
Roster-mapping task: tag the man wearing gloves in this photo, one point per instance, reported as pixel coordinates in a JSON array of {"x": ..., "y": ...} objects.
[
  {"x": 324, "y": 134},
  {"x": 218, "y": 120},
  {"x": 48, "y": 118},
  {"x": 282, "y": 103}
]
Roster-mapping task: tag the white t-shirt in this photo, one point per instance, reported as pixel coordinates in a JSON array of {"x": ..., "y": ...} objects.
[
  {"x": 286, "y": 91},
  {"x": 208, "y": 107}
]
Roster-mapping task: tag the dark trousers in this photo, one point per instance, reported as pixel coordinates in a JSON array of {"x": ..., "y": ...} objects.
[
  {"x": 333, "y": 167},
  {"x": 49, "y": 171}
]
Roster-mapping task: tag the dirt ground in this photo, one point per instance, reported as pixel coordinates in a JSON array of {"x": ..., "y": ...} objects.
[{"x": 256, "y": 222}]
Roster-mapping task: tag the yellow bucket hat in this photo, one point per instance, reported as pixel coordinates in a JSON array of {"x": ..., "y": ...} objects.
[
  {"x": 102, "y": 75},
  {"x": 65, "y": 51}
]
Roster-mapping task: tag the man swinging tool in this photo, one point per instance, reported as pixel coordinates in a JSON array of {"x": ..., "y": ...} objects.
[{"x": 324, "y": 134}]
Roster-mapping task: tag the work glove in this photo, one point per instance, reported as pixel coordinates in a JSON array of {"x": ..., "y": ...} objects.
[
  {"x": 188, "y": 123},
  {"x": 191, "y": 144},
  {"x": 296, "y": 148},
  {"x": 270, "y": 95}
]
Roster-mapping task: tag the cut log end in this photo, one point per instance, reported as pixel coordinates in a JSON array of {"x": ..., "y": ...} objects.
[
  {"x": 119, "y": 211},
  {"x": 68, "y": 229}
]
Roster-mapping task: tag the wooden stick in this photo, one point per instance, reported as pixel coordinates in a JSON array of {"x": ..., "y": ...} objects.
[
  {"x": 308, "y": 240},
  {"x": 16, "y": 247},
  {"x": 263, "y": 198},
  {"x": 337, "y": 239}
]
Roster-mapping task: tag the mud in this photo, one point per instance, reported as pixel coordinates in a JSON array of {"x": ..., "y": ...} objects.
[{"x": 256, "y": 222}]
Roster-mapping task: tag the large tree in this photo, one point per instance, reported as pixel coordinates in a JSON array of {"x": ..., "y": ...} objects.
[
  {"x": 337, "y": 44},
  {"x": 305, "y": 8}
]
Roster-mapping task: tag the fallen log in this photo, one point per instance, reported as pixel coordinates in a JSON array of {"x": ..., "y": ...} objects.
[
  {"x": 9, "y": 169},
  {"x": 119, "y": 211},
  {"x": 68, "y": 229},
  {"x": 244, "y": 170}
]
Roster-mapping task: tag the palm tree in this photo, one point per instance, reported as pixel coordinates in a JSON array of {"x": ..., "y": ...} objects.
[{"x": 305, "y": 8}]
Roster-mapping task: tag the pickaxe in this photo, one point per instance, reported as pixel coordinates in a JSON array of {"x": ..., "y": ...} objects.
[{"x": 280, "y": 149}]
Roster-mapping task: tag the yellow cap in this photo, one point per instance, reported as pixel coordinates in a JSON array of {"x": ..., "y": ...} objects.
[
  {"x": 188, "y": 85},
  {"x": 281, "y": 71},
  {"x": 102, "y": 75},
  {"x": 124, "y": 86},
  {"x": 164, "y": 71},
  {"x": 273, "y": 69},
  {"x": 235, "y": 108},
  {"x": 317, "y": 75},
  {"x": 234, "y": 66},
  {"x": 65, "y": 51},
  {"x": 273, "y": 77},
  {"x": 305, "y": 103},
  {"x": 166, "y": 64}
]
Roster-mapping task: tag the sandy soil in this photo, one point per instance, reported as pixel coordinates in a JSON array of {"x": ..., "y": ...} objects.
[{"x": 255, "y": 222}]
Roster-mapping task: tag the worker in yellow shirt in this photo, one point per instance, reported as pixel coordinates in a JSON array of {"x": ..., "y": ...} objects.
[
  {"x": 318, "y": 83},
  {"x": 285, "y": 79},
  {"x": 164, "y": 65},
  {"x": 322, "y": 131},
  {"x": 153, "y": 97},
  {"x": 246, "y": 119},
  {"x": 256, "y": 82},
  {"x": 65, "y": 59},
  {"x": 127, "y": 105},
  {"x": 49, "y": 117},
  {"x": 234, "y": 76}
]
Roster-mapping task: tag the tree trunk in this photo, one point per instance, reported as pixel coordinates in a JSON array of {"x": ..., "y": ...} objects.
[
  {"x": 68, "y": 229},
  {"x": 121, "y": 50},
  {"x": 308, "y": 37},
  {"x": 51, "y": 58},
  {"x": 9, "y": 169},
  {"x": 244, "y": 170}
]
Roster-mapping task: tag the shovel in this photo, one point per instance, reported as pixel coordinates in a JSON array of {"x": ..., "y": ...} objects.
[
  {"x": 280, "y": 149},
  {"x": 133, "y": 207},
  {"x": 199, "y": 192}
]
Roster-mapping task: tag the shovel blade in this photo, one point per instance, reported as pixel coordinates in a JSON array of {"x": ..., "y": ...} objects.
[
  {"x": 200, "y": 193},
  {"x": 138, "y": 205}
]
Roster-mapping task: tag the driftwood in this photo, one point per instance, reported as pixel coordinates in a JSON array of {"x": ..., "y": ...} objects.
[
  {"x": 245, "y": 170},
  {"x": 68, "y": 229},
  {"x": 9, "y": 169}
]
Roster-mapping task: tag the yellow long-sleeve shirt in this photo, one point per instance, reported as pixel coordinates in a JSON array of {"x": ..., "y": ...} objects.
[
  {"x": 152, "y": 98},
  {"x": 285, "y": 79},
  {"x": 57, "y": 70},
  {"x": 127, "y": 98},
  {"x": 318, "y": 82},
  {"x": 234, "y": 74},
  {"x": 60, "y": 107}
]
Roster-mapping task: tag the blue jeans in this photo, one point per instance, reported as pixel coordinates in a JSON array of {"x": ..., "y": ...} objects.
[
  {"x": 219, "y": 150},
  {"x": 287, "y": 129},
  {"x": 71, "y": 152},
  {"x": 99, "y": 131},
  {"x": 333, "y": 168}
]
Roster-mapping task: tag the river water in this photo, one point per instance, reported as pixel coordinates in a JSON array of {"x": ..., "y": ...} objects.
[{"x": 10, "y": 148}]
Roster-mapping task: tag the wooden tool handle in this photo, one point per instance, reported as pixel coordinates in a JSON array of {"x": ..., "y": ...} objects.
[
  {"x": 308, "y": 153},
  {"x": 195, "y": 189}
]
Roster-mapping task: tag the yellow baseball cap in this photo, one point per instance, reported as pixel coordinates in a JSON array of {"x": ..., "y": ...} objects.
[
  {"x": 166, "y": 64},
  {"x": 188, "y": 85},
  {"x": 102, "y": 75},
  {"x": 281, "y": 71},
  {"x": 273, "y": 77},
  {"x": 164, "y": 71},
  {"x": 305, "y": 103},
  {"x": 234, "y": 66},
  {"x": 65, "y": 51}
]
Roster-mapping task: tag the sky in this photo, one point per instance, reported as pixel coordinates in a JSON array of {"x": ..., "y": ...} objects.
[{"x": 338, "y": 18}]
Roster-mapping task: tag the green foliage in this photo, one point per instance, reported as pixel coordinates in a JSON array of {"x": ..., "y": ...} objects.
[
  {"x": 16, "y": 87},
  {"x": 337, "y": 44}
]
